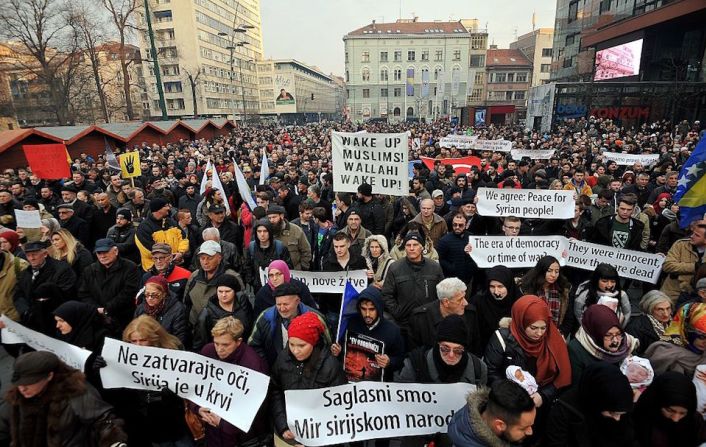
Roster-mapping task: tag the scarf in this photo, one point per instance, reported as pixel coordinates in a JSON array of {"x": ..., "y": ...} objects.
[
  {"x": 688, "y": 323},
  {"x": 657, "y": 326},
  {"x": 627, "y": 345},
  {"x": 156, "y": 311},
  {"x": 491, "y": 309},
  {"x": 552, "y": 356},
  {"x": 449, "y": 373},
  {"x": 282, "y": 267}
]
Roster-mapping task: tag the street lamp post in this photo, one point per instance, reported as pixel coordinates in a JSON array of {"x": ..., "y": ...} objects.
[{"x": 241, "y": 29}]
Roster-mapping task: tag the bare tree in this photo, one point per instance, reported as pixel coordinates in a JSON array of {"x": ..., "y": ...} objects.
[
  {"x": 122, "y": 13},
  {"x": 193, "y": 75},
  {"x": 48, "y": 47},
  {"x": 90, "y": 33}
]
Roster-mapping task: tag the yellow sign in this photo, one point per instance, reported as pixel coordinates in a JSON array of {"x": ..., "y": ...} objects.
[{"x": 130, "y": 165}]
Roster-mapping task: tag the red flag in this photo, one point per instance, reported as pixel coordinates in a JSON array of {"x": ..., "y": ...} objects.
[
  {"x": 460, "y": 165},
  {"x": 47, "y": 161}
]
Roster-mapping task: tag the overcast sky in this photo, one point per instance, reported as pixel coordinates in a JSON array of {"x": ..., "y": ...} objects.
[{"x": 311, "y": 31}]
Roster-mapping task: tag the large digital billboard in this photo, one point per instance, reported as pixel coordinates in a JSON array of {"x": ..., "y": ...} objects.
[{"x": 618, "y": 61}]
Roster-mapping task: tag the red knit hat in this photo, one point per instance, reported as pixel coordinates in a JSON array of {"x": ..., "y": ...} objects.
[
  {"x": 307, "y": 327},
  {"x": 160, "y": 281}
]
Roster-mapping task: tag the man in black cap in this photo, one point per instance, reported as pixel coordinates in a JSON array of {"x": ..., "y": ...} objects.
[
  {"x": 42, "y": 287},
  {"x": 82, "y": 209},
  {"x": 158, "y": 227},
  {"x": 51, "y": 403},
  {"x": 123, "y": 234},
  {"x": 227, "y": 229},
  {"x": 411, "y": 281},
  {"x": 77, "y": 227},
  {"x": 371, "y": 213},
  {"x": 190, "y": 200},
  {"x": 111, "y": 284},
  {"x": 291, "y": 236}
]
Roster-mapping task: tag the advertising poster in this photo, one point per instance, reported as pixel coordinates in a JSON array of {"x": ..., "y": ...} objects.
[{"x": 284, "y": 94}]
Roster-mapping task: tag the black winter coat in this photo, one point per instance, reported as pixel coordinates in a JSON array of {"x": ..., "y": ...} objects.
[
  {"x": 498, "y": 359},
  {"x": 242, "y": 310},
  {"x": 409, "y": 285},
  {"x": 172, "y": 318},
  {"x": 55, "y": 284},
  {"x": 113, "y": 289},
  {"x": 320, "y": 370},
  {"x": 641, "y": 328},
  {"x": 454, "y": 261},
  {"x": 261, "y": 258},
  {"x": 80, "y": 229},
  {"x": 602, "y": 233}
]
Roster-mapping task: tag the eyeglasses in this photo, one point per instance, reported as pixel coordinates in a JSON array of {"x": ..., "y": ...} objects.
[
  {"x": 456, "y": 351},
  {"x": 611, "y": 337},
  {"x": 160, "y": 258},
  {"x": 274, "y": 275},
  {"x": 153, "y": 296},
  {"x": 512, "y": 228}
]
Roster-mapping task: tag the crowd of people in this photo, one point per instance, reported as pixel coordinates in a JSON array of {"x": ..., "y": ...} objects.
[{"x": 174, "y": 259}]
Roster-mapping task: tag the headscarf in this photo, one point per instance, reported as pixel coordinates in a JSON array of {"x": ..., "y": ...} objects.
[
  {"x": 86, "y": 327},
  {"x": 490, "y": 309},
  {"x": 282, "y": 267},
  {"x": 552, "y": 356},
  {"x": 604, "y": 388},
  {"x": 687, "y": 325},
  {"x": 595, "y": 323},
  {"x": 11, "y": 237},
  {"x": 655, "y": 205},
  {"x": 647, "y": 305},
  {"x": 669, "y": 389}
]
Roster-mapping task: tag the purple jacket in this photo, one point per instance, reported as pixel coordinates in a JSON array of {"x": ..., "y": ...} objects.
[{"x": 227, "y": 435}]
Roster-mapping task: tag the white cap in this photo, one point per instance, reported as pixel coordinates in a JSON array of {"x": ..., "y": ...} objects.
[{"x": 209, "y": 248}]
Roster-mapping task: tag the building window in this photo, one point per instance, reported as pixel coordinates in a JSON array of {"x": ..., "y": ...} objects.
[
  {"x": 573, "y": 11},
  {"x": 365, "y": 74},
  {"x": 347, "y": 78},
  {"x": 366, "y": 93},
  {"x": 567, "y": 63},
  {"x": 398, "y": 56},
  {"x": 348, "y": 94},
  {"x": 397, "y": 74},
  {"x": 457, "y": 55},
  {"x": 410, "y": 111},
  {"x": 479, "y": 41},
  {"x": 604, "y": 7},
  {"x": 425, "y": 55},
  {"x": 425, "y": 72},
  {"x": 172, "y": 87},
  {"x": 477, "y": 60},
  {"x": 477, "y": 94},
  {"x": 546, "y": 68},
  {"x": 546, "y": 52},
  {"x": 437, "y": 70},
  {"x": 383, "y": 56},
  {"x": 570, "y": 39},
  {"x": 511, "y": 77},
  {"x": 397, "y": 92},
  {"x": 521, "y": 77},
  {"x": 346, "y": 56},
  {"x": 410, "y": 56},
  {"x": 396, "y": 111},
  {"x": 365, "y": 57},
  {"x": 439, "y": 55},
  {"x": 498, "y": 77},
  {"x": 383, "y": 93},
  {"x": 479, "y": 77},
  {"x": 383, "y": 74},
  {"x": 520, "y": 95}
]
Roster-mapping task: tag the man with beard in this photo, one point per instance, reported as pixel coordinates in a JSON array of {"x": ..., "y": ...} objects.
[
  {"x": 291, "y": 237},
  {"x": 369, "y": 321},
  {"x": 452, "y": 257},
  {"x": 500, "y": 416}
]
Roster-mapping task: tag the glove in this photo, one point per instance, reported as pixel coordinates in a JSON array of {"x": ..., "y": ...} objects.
[{"x": 99, "y": 363}]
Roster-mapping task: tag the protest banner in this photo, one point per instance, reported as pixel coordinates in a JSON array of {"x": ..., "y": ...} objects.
[
  {"x": 230, "y": 391},
  {"x": 28, "y": 219},
  {"x": 631, "y": 159},
  {"x": 379, "y": 160},
  {"x": 516, "y": 251},
  {"x": 48, "y": 161},
  {"x": 458, "y": 141},
  {"x": 357, "y": 412},
  {"x": 629, "y": 263},
  {"x": 15, "y": 333},
  {"x": 460, "y": 165},
  {"x": 529, "y": 203},
  {"x": 359, "y": 358},
  {"x": 326, "y": 282},
  {"x": 493, "y": 145},
  {"x": 130, "y": 165},
  {"x": 533, "y": 154}
]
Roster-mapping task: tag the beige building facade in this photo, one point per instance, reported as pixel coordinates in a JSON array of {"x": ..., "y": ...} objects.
[{"x": 537, "y": 47}]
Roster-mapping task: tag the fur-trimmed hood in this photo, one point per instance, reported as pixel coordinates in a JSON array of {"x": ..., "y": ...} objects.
[
  {"x": 467, "y": 427},
  {"x": 381, "y": 240}
]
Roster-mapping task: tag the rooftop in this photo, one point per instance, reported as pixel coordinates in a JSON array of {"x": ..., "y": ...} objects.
[
  {"x": 423, "y": 28},
  {"x": 513, "y": 58}
]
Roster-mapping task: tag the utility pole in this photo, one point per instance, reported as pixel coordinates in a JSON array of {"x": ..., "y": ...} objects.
[{"x": 155, "y": 62}]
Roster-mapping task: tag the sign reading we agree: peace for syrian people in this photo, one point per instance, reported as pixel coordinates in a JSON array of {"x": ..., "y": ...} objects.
[
  {"x": 378, "y": 159},
  {"x": 529, "y": 203}
]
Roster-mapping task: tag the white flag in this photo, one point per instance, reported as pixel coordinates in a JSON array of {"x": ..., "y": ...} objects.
[
  {"x": 204, "y": 179},
  {"x": 264, "y": 168},
  {"x": 243, "y": 186},
  {"x": 215, "y": 184}
]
